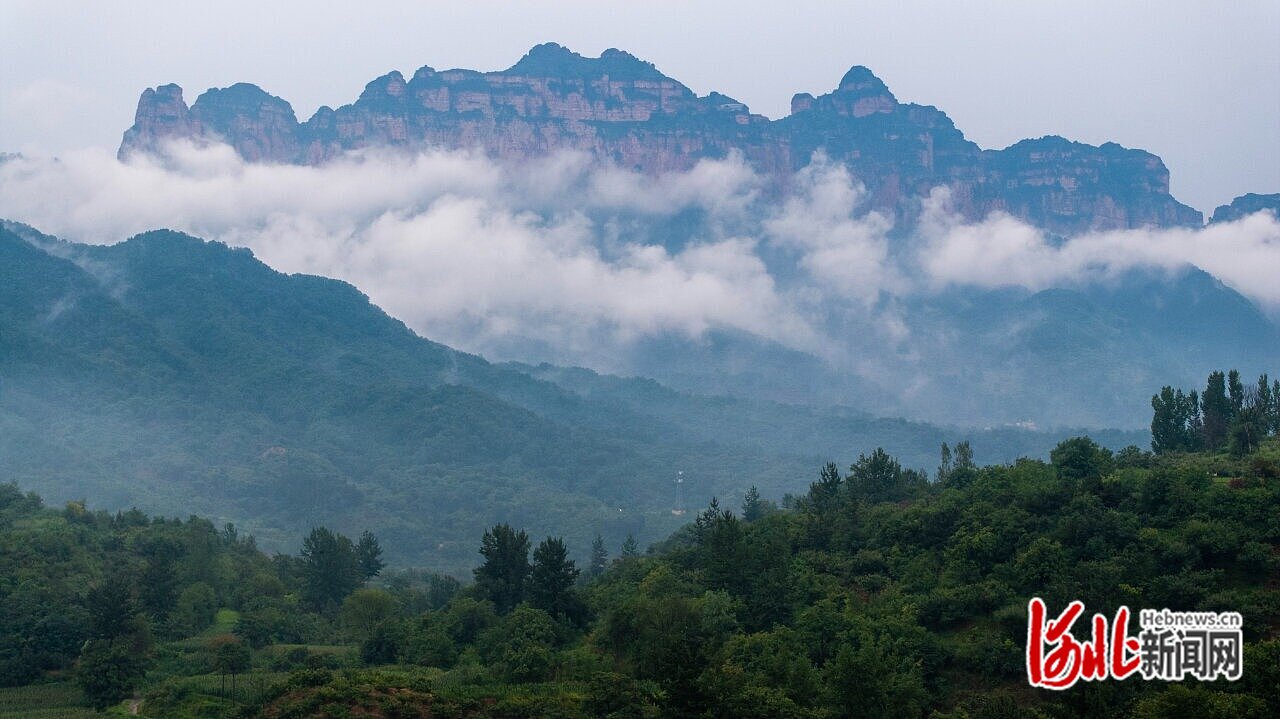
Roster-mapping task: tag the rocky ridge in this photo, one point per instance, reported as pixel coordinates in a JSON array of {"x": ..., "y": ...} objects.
[{"x": 623, "y": 110}]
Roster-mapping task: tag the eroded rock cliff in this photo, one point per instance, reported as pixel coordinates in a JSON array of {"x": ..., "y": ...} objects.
[{"x": 621, "y": 109}]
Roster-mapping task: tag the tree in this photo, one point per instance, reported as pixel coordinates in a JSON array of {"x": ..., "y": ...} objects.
[
  {"x": 630, "y": 547},
  {"x": 330, "y": 568},
  {"x": 599, "y": 558},
  {"x": 1215, "y": 410},
  {"x": 866, "y": 680},
  {"x": 112, "y": 607},
  {"x": 825, "y": 491},
  {"x": 369, "y": 556},
  {"x": 876, "y": 477},
  {"x": 365, "y": 611},
  {"x": 720, "y": 539},
  {"x": 230, "y": 656},
  {"x": 551, "y": 581},
  {"x": 752, "y": 505},
  {"x": 1235, "y": 390},
  {"x": 1250, "y": 424},
  {"x": 1081, "y": 461},
  {"x": 618, "y": 696},
  {"x": 158, "y": 585},
  {"x": 1266, "y": 402},
  {"x": 964, "y": 471},
  {"x": 522, "y": 645},
  {"x": 108, "y": 672},
  {"x": 197, "y": 606},
  {"x": 1175, "y": 421},
  {"x": 1275, "y": 406},
  {"x": 501, "y": 578},
  {"x": 944, "y": 464},
  {"x": 114, "y": 659}
]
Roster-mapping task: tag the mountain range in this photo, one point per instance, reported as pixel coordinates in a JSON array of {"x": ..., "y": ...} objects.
[
  {"x": 167, "y": 372},
  {"x": 622, "y": 109},
  {"x": 974, "y": 355}
]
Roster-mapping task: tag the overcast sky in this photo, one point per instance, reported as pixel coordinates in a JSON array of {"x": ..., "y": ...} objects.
[{"x": 1197, "y": 83}]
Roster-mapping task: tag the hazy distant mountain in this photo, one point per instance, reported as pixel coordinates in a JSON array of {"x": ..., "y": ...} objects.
[
  {"x": 180, "y": 375},
  {"x": 623, "y": 110},
  {"x": 1086, "y": 352},
  {"x": 1080, "y": 356},
  {"x": 1247, "y": 205}
]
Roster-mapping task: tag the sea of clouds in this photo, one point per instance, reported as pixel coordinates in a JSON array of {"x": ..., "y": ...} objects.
[{"x": 567, "y": 254}]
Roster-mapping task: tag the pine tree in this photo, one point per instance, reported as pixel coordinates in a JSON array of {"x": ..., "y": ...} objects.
[
  {"x": 599, "y": 558},
  {"x": 826, "y": 490},
  {"x": 630, "y": 548},
  {"x": 706, "y": 518},
  {"x": 369, "y": 555},
  {"x": 1215, "y": 408},
  {"x": 721, "y": 541},
  {"x": 501, "y": 578},
  {"x": 752, "y": 505},
  {"x": 550, "y": 586}
]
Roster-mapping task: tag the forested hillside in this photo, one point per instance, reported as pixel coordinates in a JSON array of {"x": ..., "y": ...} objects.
[
  {"x": 881, "y": 591},
  {"x": 183, "y": 376}
]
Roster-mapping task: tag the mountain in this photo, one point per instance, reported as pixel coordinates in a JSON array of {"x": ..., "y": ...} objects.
[
  {"x": 623, "y": 110},
  {"x": 1245, "y": 205},
  {"x": 1084, "y": 355},
  {"x": 174, "y": 374},
  {"x": 966, "y": 355}
]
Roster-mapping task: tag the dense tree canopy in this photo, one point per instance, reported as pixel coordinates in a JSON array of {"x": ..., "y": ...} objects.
[
  {"x": 881, "y": 591},
  {"x": 1228, "y": 415}
]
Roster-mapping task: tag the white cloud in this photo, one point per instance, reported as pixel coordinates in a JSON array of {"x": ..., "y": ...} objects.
[
  {"x": 1002, "y": 251},
  {"x": 846, "y": 254},
  {"x": 568, "y": 255},
  {"x": 464, "y": 250}
]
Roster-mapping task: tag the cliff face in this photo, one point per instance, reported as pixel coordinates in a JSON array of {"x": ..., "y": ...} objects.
[
  {"x": 623, "y": 110},
  {"x": 1247, "y": 205}
]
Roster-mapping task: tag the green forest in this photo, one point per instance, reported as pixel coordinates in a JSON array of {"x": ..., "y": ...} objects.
[
  {"x": 881, "y": 591},
  {"x": 177, "y": 376}
]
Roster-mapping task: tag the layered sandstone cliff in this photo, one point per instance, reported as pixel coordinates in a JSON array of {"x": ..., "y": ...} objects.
[{"x": 623, "y": 110}]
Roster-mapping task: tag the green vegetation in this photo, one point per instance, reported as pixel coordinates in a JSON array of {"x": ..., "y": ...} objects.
[
  {"x": 167, "y": 373},
  {"x": 882, "y": 591},
  {"x": 55, "y": 700},
  {"x": 1227, "y": 415}
]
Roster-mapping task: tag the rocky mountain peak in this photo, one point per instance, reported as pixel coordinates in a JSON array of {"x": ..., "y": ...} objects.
[
  {"x": 390, "y": 85},
  {"x": 860, "y": 79},
  {"x": 1245, "y": 205},
  {"x": 554, "y": 60},
  {"x": 624, "y": 111},
  {"x": 162, "y": 115},
  {"x": 241, "y": 98}
]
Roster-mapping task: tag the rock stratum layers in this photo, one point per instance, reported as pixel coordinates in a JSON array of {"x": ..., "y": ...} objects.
[{"x": 621, "y": 109}]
